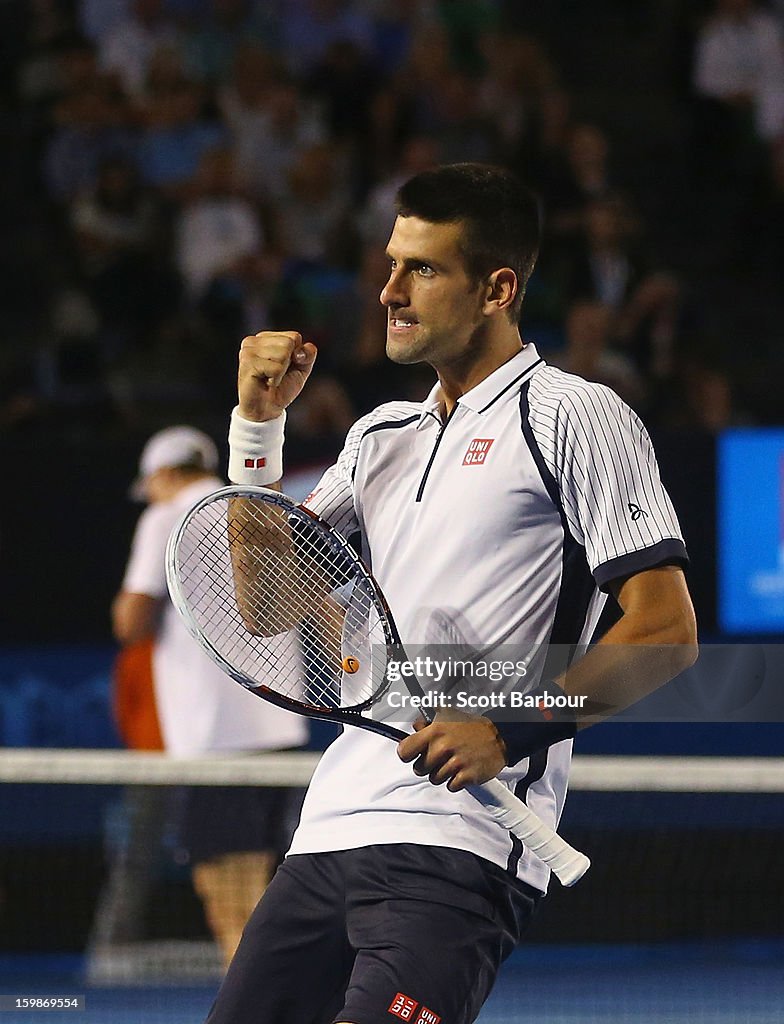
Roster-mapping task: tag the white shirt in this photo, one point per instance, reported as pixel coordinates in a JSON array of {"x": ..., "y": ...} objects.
[
  {"x": 200, "y": 708},
  {"x": 498, "y": 528}
]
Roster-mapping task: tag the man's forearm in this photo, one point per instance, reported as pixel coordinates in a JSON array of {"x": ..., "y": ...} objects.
[
  {"x": 653, "y": 642},
  {"x": 618, "y": 672}
]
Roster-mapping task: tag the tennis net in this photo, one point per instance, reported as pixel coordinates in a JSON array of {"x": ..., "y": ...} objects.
[{"x": 97, "y": 891}]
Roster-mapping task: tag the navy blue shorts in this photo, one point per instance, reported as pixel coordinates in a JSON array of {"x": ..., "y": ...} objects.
[
  {"x": 215, "y": 820},
  {"x": 375, "y": 936}
]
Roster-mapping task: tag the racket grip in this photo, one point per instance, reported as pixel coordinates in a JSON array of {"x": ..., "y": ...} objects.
[{"x": 566, "y": 863}]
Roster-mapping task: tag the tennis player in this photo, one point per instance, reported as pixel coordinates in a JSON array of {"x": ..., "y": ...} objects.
[
  {"x": 508, "y": 504},
  {"x": 233, "y": 834}
]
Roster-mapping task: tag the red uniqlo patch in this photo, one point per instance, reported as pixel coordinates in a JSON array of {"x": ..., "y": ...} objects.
[
  {"x": 476, "y": 453},
  {"x": 403, "y": 1007},
  {"x": 255, "y": 463},
  {"x": 427, "y": 1017}
]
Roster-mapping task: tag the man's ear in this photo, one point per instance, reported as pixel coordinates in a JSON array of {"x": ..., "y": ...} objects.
[{"x": 501, "y": 291}]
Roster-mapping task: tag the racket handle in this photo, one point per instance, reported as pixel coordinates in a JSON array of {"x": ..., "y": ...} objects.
[{"x": 566, "y": 863}]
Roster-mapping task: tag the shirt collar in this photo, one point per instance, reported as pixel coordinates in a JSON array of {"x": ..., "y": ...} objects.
[{"x": 484, "y": 394}]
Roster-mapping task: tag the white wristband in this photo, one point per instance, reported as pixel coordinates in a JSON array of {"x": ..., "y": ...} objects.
[{"x": 255, "y": 450}]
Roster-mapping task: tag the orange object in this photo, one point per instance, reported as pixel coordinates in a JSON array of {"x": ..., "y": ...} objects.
[
  {"x": 133, "y": 698},
  {"x": 350, "y": 665}
]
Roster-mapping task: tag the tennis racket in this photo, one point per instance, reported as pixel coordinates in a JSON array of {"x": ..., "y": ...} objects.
[{"x": 284, "y": 605}]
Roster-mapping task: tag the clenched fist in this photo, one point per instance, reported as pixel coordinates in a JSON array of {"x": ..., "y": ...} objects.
[{"x": 274, "y": 366}]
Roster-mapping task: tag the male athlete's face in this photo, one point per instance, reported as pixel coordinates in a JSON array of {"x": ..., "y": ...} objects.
[{"x": 434, "y": 309}]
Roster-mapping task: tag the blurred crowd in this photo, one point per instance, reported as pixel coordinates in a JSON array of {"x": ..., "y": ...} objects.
[{"x": 183, "y": 172}]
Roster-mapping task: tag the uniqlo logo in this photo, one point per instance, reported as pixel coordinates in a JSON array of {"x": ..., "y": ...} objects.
[
  {"x": 427, "y": 1017},
  {"x": 476, "y": 453},
  {"x": 403, "y": 1007},
  {"x": 255, "y": 463}
]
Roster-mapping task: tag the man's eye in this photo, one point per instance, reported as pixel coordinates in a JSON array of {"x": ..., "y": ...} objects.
[{"x": 425, "y": 271}]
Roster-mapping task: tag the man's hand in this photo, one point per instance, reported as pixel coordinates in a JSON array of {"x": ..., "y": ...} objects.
[
  {"x": 456, "y": 748},
  {"x": 274, "y": 366}
]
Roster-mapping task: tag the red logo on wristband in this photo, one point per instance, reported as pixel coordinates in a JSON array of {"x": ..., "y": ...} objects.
[
  {"x": 255, "y": 463},
  {"x": 542, "y": 709}
]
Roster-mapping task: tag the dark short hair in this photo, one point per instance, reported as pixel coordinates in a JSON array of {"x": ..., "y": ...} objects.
[{"x": 500, "y": 214}]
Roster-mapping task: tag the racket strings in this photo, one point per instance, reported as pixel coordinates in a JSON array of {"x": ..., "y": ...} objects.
[{"x": 281, "y": 601}]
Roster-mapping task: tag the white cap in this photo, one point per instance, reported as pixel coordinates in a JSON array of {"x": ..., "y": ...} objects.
[{"x": 170, "y": 449}]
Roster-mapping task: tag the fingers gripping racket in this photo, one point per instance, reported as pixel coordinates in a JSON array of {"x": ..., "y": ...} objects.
[{"x": 285, "y": 606}]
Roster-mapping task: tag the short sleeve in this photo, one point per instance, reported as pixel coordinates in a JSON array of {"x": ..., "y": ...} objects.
[
  {"x": 333, "y": 496},
  {"x": 613, "y": 499},
  {"x": 146, "y": 569}
]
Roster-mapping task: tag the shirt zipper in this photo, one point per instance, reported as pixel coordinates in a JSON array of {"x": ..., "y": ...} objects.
[{"x": 430, "y": 461}]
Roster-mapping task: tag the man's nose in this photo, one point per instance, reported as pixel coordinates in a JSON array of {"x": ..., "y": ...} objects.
[{"x": 394, "y": 293}]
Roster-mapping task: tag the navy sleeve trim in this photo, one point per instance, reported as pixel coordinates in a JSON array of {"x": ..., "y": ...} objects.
[
  {"x": 666, "y": 551},
  {"x": 391, "y": 424}
]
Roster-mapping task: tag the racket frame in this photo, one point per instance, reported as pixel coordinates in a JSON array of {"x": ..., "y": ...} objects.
[{"x": 348, "y": 715}]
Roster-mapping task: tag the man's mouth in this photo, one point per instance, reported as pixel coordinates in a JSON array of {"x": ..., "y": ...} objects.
[{"x": 401, "y": 323}]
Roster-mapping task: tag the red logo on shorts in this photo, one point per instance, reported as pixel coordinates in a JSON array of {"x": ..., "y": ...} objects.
[
  {"x": 403, "y": 1007},
  {"x": 427, "y": 1017},
  {"x": 476, "y": 453}
]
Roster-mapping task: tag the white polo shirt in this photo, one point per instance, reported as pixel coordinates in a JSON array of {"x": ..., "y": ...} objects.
[
  {"x": 199, "y": 707},
  {"x": 505, "y": 522}
]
